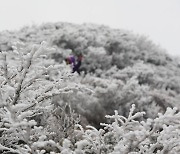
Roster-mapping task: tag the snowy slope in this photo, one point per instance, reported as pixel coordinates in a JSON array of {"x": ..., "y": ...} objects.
[{"x": 119, "y": 69}]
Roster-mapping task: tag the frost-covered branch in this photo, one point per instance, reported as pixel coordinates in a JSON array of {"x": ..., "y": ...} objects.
[{"x": 26, "y": 94}]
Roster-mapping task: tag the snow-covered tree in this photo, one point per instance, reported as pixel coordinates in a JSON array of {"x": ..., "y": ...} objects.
[{"x": 27, "y": 86}]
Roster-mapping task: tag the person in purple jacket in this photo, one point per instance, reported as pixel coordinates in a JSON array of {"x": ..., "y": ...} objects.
[{"x": 76, "y": 63}]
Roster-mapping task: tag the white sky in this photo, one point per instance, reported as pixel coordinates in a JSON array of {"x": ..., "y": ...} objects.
[{"x": 157, "y": 19}]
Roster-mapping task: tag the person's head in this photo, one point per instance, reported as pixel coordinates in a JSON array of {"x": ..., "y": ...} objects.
[{"x": 80, "y": 56}]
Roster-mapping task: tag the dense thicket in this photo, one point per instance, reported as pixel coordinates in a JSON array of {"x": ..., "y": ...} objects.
[{"x": 119, "y": 69}]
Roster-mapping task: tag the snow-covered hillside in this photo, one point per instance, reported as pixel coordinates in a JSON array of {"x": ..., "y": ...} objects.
[{"x": 46, "y": 109}]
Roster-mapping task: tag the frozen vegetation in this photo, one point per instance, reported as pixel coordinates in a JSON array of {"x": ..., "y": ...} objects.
[{"x": 126, "y": 100}]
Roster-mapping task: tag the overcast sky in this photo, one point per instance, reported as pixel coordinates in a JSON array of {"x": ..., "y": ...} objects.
[{"x": 157, "y": 19}]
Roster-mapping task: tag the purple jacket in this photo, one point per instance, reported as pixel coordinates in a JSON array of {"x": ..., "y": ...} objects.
[{"x": 72, "y": 60}]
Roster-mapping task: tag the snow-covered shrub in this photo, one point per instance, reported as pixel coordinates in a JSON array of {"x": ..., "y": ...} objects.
[
  {"x": 129, "y": 135},
  {"x": 145, "y": 137},
  {"x": 61, "y": 122},
  {"x": 28, "y": 82},
  {"x": 96, "y": 59}
]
